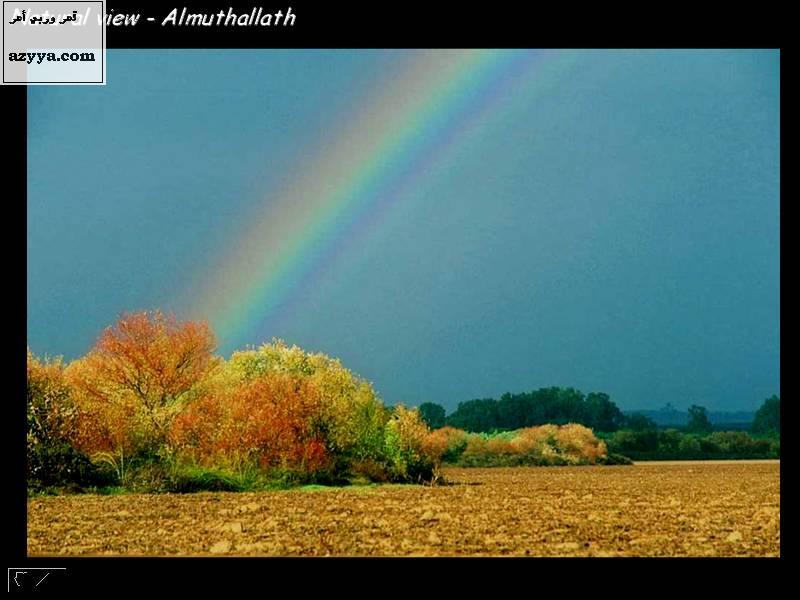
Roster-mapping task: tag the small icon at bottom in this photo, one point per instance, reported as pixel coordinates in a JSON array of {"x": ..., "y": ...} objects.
[{"x": 32, "y": 578}]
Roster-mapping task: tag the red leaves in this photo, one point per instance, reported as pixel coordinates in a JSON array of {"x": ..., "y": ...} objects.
[
  {"x": 267, "y": 420},
  {"x": 135, "y": 380},
  {"x": 570, "y": 444},
  {"x": 154, "y": 356},
  {"x": 152, "y": 386}
]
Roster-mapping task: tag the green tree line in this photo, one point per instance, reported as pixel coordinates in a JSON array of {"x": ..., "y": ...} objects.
[{"x": 555, "y": 405}]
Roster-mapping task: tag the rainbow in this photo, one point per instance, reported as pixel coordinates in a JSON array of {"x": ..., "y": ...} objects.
[{"x": 396, "y": 134}]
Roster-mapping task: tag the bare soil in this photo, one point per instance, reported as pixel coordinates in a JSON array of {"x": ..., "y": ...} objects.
[{"x": 667, "y": 509}]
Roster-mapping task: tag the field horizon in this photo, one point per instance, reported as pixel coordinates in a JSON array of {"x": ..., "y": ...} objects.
[{"x": 686, "y": 508}]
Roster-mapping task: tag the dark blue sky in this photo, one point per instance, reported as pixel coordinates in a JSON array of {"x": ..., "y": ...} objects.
[{"x": 616, "y": 232}]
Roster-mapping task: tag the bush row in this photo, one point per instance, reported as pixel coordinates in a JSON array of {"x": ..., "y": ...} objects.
[
  {"x": 150, "y": 407},
  {"x": 570, "y": 444},
  {"x": 672, "y": 444}
]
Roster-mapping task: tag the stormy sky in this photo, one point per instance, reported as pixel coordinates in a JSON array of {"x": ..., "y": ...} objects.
[{"x": 617, "y": 230}]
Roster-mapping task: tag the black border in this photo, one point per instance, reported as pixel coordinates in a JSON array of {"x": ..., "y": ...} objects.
[
  {"x": 102, "y": 50},
  {"x": 377, "y": 26},
  {"x": 15, "y": 187}
]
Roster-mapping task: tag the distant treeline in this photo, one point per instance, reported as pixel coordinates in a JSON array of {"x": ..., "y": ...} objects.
[
  {"x": 668, "y": 416},
  {"x": 528, "y": 409},
  {"x": 635, "y": 436},
  {"x": 672, "y": 444},
  {"x": 567, "y": 405}
]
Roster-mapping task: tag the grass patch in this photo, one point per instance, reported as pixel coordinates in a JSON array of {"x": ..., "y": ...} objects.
[
  {"x": 196, "y": 479},
  {"x": 315, "y": 487},
  {"x": 356, "y": 488},
  {"x": 111, "y": 490}
]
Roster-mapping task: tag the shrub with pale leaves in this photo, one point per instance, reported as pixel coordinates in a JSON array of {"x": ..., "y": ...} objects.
[
  {"x": 545, "y": 444},
  {"x": 410, "y": 457}
]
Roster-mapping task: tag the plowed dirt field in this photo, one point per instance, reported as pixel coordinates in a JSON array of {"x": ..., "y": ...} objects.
[{"x": 653, "y": 509}]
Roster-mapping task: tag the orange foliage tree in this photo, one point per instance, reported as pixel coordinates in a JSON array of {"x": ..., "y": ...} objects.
[
  {"x": 271, "y": 420},
  {"x": 446, "y": 444},
  {"x": 544, "y": 444},
  {"x": 140, "y": 374},
  {"x": 51, "y": 459},
  {"x": 351, "y": 418}
]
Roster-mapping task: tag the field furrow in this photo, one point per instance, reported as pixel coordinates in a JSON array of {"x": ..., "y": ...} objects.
[{"x": 667, "y": 509}]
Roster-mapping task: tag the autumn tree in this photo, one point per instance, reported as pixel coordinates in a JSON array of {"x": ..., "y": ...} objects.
[
  {"x": 47, "y": 399},
  {"x": 351, "y": 416},
  {"x": 141, "y": 373},
  {"x": 446, "y": 444},
  {"x": 271, "y": 421},
  {"x": 51, "y": 460},
  {"x": 408, "y": 448}
]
